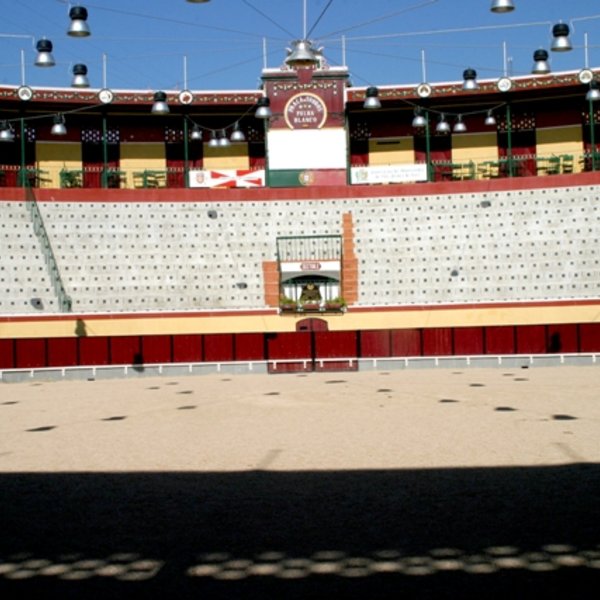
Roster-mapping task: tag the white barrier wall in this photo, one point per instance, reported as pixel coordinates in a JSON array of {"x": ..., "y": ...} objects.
[{"x": 531, "y": 245}]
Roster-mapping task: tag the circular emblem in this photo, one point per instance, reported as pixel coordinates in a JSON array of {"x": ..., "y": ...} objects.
[
  {"x": 186, "y": 97},
  {"x": 25, "y": 93},
  {"x": 585, "y": 76},
  {"x": 424, "y": 90},
  {"x": 105, "y": 96},
  {"x": 504, "y": 84},
  {"x": 306, "y": 178},
  {"x": 305, "y": 111}
]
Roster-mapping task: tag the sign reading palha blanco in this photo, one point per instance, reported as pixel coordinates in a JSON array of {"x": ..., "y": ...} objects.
[
  {"x": 389, "y": 174},
  {"x": 305, "y": 111}
]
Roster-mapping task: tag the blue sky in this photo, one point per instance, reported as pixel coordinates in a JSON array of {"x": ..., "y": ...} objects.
[{"x": 142, "y": 43}]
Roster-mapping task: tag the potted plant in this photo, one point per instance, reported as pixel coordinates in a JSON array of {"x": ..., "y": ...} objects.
[
  {"x": 310, "y": 306},
  {"x": 287, "y": 304},
  {"x": 335, "y": 304}
]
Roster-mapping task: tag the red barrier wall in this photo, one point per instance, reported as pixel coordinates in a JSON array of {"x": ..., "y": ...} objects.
[
  {"x": 63, "y": 352},
  {"x": 249, "y": 346},
  {"x": 305, "y": 346},
  {"x": 157, "y": 349},
  {"x": 499, "y": 340},
  {"x": 468, "y": 340},
  {"x": 94, "y": 351},
  {"x": 437, "y": 342},
  {"x": 30, "y": 353},
  {"x": 406, "y": 342},
  {"x": 218, "y": 347},
  {"x": 187, "y": 348},
  {"x": 375, "y": 343},
  {"x": 7, "y": 354}
]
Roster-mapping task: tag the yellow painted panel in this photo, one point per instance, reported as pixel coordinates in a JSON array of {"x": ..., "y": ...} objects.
[
  {"x": 272, "y": 322},
  {"x": 400, "y": 151},
  {"x": 559, "y": 141},
  {"x": 52, "y": 157},
  {"x": 231, "y": 157},
  {"x": 142, "y": 156},
  {"x": 476, "y": 147}
]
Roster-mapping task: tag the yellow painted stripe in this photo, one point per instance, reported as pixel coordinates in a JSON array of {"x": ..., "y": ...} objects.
[{"x": 352, "y": 320}]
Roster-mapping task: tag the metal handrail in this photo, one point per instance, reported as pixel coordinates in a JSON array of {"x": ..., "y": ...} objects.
[{"x": 65, "y": 302}]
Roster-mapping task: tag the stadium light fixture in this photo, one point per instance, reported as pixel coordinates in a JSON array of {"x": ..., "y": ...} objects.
[{"x": 79, "y": 26}]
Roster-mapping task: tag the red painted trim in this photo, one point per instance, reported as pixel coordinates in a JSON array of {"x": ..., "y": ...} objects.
[
  {"x": 476, "y": 306},
  {"x": 316, "y": 192}
]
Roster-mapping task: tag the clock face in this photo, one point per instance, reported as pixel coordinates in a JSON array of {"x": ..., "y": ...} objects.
[
  {"x": 504, "y": 84},
  {"x": 585, "y": 76},
  {"x": 105, "y": 96},
  {"x": 424, "y": 90},
  {"x": 25, "y": 93},
  {"x": 186, "y": 97}
]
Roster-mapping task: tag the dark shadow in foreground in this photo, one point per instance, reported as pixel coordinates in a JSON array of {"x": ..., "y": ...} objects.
[{"x": 439, "y": 533}]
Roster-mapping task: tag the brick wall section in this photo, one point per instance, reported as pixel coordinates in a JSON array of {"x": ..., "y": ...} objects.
[
  {"x": 349, "y": 268},
  {"x": 271, "y": 279},
  {"x": 349, "y": 261}
]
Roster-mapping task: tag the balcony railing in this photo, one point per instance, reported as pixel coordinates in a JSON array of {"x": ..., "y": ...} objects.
[{"x": 525, "y": 165}]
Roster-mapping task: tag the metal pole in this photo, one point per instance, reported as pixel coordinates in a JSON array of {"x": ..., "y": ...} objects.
[
  {"x": 23, "y": 171},
  {"x": 104, "y": 152},
  {"x": 509, "y": 156},
  {"x": 592, "y": 136},
  {"x": 428, "y": 147},
  {"x": 304, "y": 20},
  {"x": 186, "y": 152}
]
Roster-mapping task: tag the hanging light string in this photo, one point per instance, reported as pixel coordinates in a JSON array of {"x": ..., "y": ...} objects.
[
  {"x": 319, "y": 18},
  {"x": 329, "y": 38},
  {"x": 214, "y": 130},
  {"x": 380, "y": 19},
  {"x": 53, "y": 114},
  {"x": 92, "y": 107}
]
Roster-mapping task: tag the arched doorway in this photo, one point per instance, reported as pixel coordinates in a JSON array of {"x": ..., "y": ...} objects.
[{"x": 312, "y": 325}]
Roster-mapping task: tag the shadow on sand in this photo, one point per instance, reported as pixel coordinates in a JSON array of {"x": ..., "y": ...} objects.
[{"x": 439, "y": 533}]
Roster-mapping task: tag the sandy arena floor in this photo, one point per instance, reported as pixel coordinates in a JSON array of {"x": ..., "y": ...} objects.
[
  {"x": 420, "y": 484},
  {"x": 383, "y": 420}
]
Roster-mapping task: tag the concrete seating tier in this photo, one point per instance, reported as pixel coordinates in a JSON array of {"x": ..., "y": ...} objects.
[{"x": 530, "y": 245}]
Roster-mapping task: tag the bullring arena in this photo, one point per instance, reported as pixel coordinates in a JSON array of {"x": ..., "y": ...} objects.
[{"x": 310, "y": 340}]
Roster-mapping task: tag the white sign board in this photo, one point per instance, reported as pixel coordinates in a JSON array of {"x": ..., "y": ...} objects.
[
  {"x": 389, "y": 174},
  {"x": 307, "y": 149},
  {"x": 230, "y": 178}
]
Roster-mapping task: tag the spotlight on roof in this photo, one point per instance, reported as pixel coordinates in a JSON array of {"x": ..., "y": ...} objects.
[
  {"x": 223, "y": 140},
  {"x": 459, "y": 126},
  {"x": 7, "y": 133},
  {"x": 80, "y": 78},
  {"x": 561, "y": 42},
  {"x": 79, "y": 26},
  {"x": 372, "y": 98},
  {"x": 44, "y": 57},
  {"x": 263, "y": 108},
  {"x": 419, "y": 119},
  {"x": 237, "y": 135},
  {"x": 541, "y": 66},
  {"x": 196, "y": 133},
  {"x": 470, "y": 80},
  {"x": 443, "y": 126},
  {"x": 490, "y": 120},
  {"x": 214, "y": 142},
  {"x": 160, "y": 106},
  {"x": 593, "y": 94},
  {"x": 59, "y": 127},
  {"x": 502, "y": 6}
]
